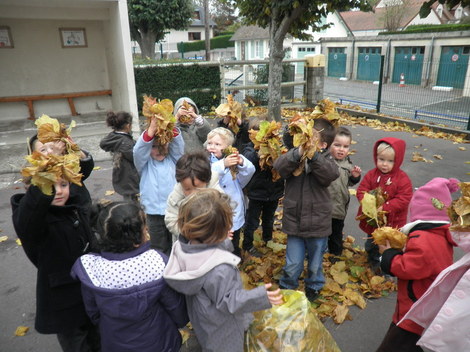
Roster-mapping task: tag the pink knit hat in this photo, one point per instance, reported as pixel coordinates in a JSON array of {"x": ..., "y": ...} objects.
[{"x": 422, "y": 206}]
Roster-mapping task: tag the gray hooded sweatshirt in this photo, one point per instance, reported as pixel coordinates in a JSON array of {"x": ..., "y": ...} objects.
[{"x": 218, "y": 307}]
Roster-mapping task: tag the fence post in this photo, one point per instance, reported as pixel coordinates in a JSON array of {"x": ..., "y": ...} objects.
[
  {"x": 315, "y": 65},
  {"x": 381, "y": 78},
  {"x": 222, "y": 79}
]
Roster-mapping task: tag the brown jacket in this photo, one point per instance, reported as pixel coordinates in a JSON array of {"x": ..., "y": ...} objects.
[{"x": 307, "y": 203}]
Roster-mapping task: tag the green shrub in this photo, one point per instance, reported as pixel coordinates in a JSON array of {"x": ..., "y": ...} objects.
[
  {"x": 219, "y": 42},
  {"x": 173, "y": 81}
]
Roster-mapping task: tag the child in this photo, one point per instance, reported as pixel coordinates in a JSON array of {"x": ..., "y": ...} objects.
[
  {"x": 217, "y": 140},
  {"x": 307, "y": 211},
  {"x": 120, "y": 143},
  {"x": 156, "y": 166},
  {"x": 193, "y": 172},
  {"x": 427, "y": 252},
  {"x": 54, "y": 231},
  {"x": 193, "y": 126},
  {"x": 123, "y": 287},
  {"x": 203, "y": 269},
  {"x": 241, "y": 137},
  {"x": 349, "y": 175},
  {"x": 396, "y": 185},
  {"x": 263, "y": 195}
]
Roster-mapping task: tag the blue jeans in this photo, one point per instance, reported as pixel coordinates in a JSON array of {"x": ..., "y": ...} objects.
[{"x": 296, "y": 249}]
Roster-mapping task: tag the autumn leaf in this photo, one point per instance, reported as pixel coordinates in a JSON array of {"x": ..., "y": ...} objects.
[
  {"x": 21, "y": 330},
  {"x": 162, "y": 112},
  {"x": 97, "y": 168},
  {"x": 233, "y": 110},
  {"x": 18, "y": 242},
  {"x": 51, "y": 130},
  {"x": 437, "y": 156},
  {"x": 459, "y": 210},
  {"x": 3, "y": 238},
  {"x": 109, "y": 193},
  {"x": 234, "y": 168},
  {"x": 340, "y": 313},
  {"x": 396, "y": 238}
]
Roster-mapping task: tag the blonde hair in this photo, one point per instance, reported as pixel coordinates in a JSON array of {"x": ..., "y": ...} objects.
[
  {"x": 223, "y": 133},
  {"x": 382, "y": 147},
  {"x": 206, "y": 216}
]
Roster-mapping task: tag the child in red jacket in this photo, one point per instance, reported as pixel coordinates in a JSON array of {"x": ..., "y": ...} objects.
[
  {"x": 427, "y": 252},
  {"x": 396, "y": 185}
]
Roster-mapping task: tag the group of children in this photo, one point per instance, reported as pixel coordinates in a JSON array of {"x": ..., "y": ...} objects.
[{"x": 193, "y": 210}]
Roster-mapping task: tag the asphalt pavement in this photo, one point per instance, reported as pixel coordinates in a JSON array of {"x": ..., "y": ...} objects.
[{"x": 17, "y": 284}]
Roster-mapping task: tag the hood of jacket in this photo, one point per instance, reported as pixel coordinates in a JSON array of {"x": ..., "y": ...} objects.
[
  {"x": 190, "y": 262},
  {"x": 113, "y": 140},
  {"x": 398, "y": 145},
  {"x": 179, "y": 103}
]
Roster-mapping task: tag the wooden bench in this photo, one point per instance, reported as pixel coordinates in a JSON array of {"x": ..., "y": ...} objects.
[{"x": 29, "y": 99}]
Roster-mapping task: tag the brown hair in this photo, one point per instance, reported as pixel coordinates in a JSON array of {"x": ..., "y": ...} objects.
[
  {"x": 326, "y": 129},
  {"x": 194, "y": 165},
  {"x": 206, "y": 216}
]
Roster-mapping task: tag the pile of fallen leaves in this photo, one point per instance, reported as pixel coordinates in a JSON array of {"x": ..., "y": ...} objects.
[
  {"x": 370, "y": 205},
  {"x": 349, "y": 281},
  {"x": 162, "y": 111},
  {"x": 233, "y": 110},
  {"x": 396, "y": 238},
  {"x": 267, "y": 141},
  {"x": 459, "y": 210}
]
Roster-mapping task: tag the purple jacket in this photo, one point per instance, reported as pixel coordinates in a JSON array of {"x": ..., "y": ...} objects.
[{"x": 126, "y": 295}]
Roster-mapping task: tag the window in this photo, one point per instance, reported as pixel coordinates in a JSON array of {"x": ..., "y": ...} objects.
[
  {"x": 194, "y": 35},
  {"x": 196, "y": 15},
  {"x": 258, "y": 49},
  {"x": 466, "y": 50}
]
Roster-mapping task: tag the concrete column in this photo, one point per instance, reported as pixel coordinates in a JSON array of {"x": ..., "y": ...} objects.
[{"x": 315, "y": 65}]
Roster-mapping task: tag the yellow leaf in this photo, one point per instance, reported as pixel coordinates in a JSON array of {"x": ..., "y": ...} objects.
[
  {"x": 3, "y": 238},
  {"x": 185, "y": 335},
  {"x": 21, "y": 330},
  {"x": 18, "y": 242},
  {"x": 109, "y": 193},
  {"x": 97, "y": 168},
  {"x": 352, "y": 192},
  {"x": 340, "y": 313},
  {"x": 437, "y": 156},
  {"x": 462, "y": 148}
]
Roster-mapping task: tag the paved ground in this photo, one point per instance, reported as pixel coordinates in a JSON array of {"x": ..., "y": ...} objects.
[{"x": 17, "y": 285}]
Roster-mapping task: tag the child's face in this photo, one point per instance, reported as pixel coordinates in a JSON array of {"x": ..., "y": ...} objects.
[
  {"x": 156, "y": 154},
  {"x": 62, "y": 193},
  {"x": 386, "y": 160},
  {"x": 189, "y": 188},
  {"x": 339, "y": 149},
  {"x": 216, "y": 145}
]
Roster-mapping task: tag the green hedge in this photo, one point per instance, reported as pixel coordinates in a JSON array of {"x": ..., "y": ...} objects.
[
  {"x": 175, "y": 81},
  {"x": 429, "y": 28},
  {"x": 220, "y": 42}
]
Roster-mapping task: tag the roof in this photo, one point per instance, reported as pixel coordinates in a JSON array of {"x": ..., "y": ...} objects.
[{"x": 250, "y": 33}]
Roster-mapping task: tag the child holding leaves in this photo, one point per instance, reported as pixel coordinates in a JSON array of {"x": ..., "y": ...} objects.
[
  {"x": 234, "y": 172},
  {"x": 233, "y": 119}
]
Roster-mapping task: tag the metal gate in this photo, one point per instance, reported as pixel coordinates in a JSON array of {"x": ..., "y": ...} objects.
[
  {"x": 368, "y": 65},
  {"x": 409, "y": 61},
  {"x": 336, "y": 62},
  {"x": 453, "y": 66}
]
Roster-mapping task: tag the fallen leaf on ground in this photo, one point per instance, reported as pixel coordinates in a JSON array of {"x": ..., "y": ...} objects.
[
  {"x": 21, "y": 330},
  {"x": 97, "y": 168},
  {"x": 109, "y": 193},
  {"x": 3, "y": 238},
  {"x": 18, "y": 242}
]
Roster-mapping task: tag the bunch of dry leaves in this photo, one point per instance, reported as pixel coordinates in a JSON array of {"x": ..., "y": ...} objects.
[
  {"x": 162, "y": 111},
  {"x": 233, "y": 110}
]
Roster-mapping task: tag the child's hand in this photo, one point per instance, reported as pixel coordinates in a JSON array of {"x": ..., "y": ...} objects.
[
  {"x": 57, "y": 148},
  {"x": 184, "y": 112},
  {"x": 356, "y": 171},
  {"x": 152, "y": 128},
  {"x": 227, "y": 120},
  {"x": 231, "y": 160},
  {"x": 275, "y": 297},
  {"x": 384, "y": 247}
]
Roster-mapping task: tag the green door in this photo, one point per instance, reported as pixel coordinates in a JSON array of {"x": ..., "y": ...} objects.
[
  {"x": 368, "y": 65},
  {"x": 453, "y": 66},
  {"x": 336, "y": 62},
  {"x": 409, "y": 61},
  {"x": 301, "y": 52}
]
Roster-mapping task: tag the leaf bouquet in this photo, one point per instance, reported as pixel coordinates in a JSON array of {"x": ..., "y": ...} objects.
[
  {"x": 396, "y": 238},
  {"x": 185, "y": 119},
  {"x": 267, "y": 141},
  {"x": 162, "y": 111},
  {"x": 326, "y": 109},
  {"x": 305, "y": 136},
  {"x": 459, "y": 210},
  {"x": 229, "y": 151},
  {"x": 233, "y": 110},
  {"x": 45, "y": 170},
  {"x": 371, "y": 202},
  {"x": 50, "y": 130}
]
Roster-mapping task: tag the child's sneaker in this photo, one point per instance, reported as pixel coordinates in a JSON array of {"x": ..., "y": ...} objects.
[
  {"x": 311, "y": 294},
  {"x": 254, "y": 252}
]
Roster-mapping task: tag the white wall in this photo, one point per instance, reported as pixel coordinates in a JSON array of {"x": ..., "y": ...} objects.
[
  {"x": 174, "y": 37},
  {"x": 431, "y": 19}
]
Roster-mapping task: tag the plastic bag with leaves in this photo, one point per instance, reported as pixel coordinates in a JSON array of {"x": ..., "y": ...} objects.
[{"x": 292, "y": 326}]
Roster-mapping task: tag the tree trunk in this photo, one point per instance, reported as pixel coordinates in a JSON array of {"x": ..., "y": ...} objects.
[
  {"x": 207, "y": 35},
  {"x": 275, "y": 76},
  {"x": 147, "y": 45}
]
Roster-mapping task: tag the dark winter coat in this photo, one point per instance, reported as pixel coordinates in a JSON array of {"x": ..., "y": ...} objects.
[
  {"x": 396, "y": 185},
  {"x": 428, "y": 251},
  {"x": 125, "y": 175},
  {"x": 242, "y": 137},
  {"x": 261, "y": 186},
  {"x": 53, "y": 238},
  {"x": 307, "y": 203},
  {"x": 126, "y": 296}
]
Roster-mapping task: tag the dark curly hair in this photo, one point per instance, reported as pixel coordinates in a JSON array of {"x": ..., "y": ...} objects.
[
  {"x": 117, "y": 121},
  {"x": 119, "y": 226}
]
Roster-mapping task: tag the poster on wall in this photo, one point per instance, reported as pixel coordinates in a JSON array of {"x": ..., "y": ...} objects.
[
  {"x": 73, "y": 37},
  {"x": 5, "y": 37}
]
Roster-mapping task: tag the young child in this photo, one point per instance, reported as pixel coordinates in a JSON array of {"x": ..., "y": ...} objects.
[
  {"x": 217, "y": 140},
  {"x": 54, "y": 231},
  {"x": 241, "y": 137},
  {"x": 427, "y": 252},
  {"x": 156, "y": 165},
  {"x": 121, "y": 143},
  {"x": 263, "y": 195},
  {"x": 123, "y": 287},
  {"x": 203, "y": 269},
  {"x": 307, "y": 211},
  {"x": 396, "y": 185},
  {"x": 349, "y": 175},
  {"x": 194, "y": 128},
  {"x": 193, "y": 173}
]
